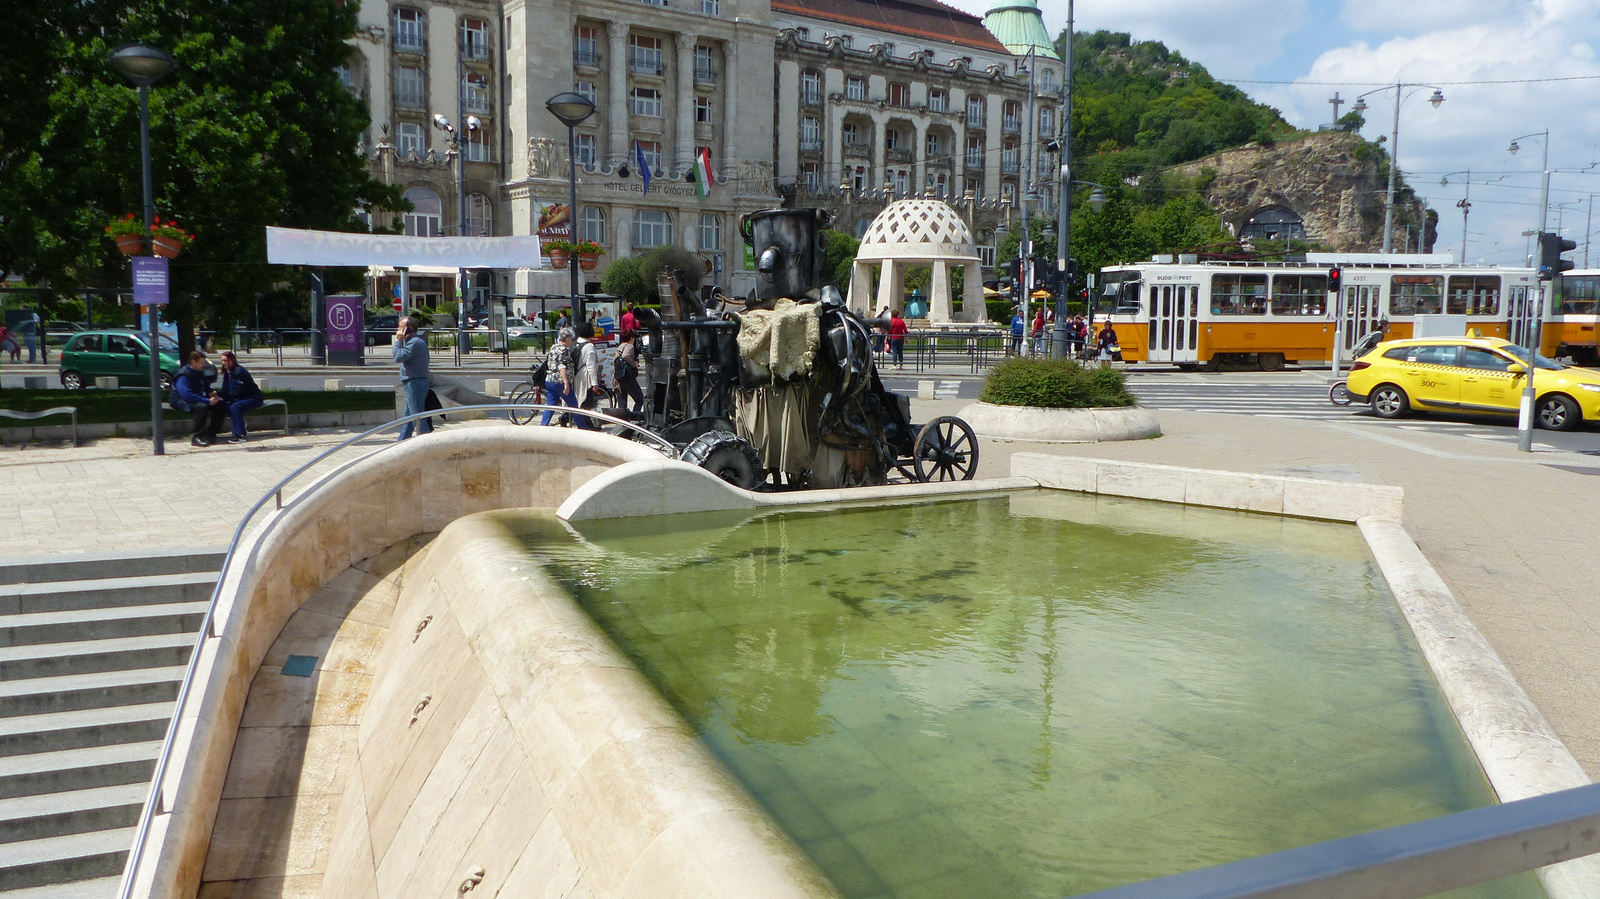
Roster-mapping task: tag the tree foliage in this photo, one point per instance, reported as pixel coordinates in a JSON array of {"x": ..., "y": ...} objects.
[{"x": 252, "y": 128}]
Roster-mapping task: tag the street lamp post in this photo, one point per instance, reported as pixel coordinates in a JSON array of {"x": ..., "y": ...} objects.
[
  {"x": 1535, "y": 313},
  {"x": 572, "y": 109},
  {"x": 1058, "y": 337},
  {"x": 1400, "y": 95},
  {"x": 471, "y": 124},
  {"x": 144, "y": 65},
  {"x": 1464, "y": 204}
]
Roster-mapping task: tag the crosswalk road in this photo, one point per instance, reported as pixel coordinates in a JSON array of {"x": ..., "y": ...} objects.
[{"x": 947, "y": 390}]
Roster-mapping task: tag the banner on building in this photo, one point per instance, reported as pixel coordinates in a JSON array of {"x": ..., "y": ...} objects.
[
  {"x": 552, "y": 221},
  {"x": 289, "y": 246}
]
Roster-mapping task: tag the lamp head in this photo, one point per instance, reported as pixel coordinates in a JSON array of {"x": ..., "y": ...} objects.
[
  {"x": 571, "y": 108},
  {"x": 442, "y": 123},
  {"x": 474, "y": 123},
  {"x": 141, "y": 64},
  {"x": 1513, "y": 148},
  {"x": 1052, "y": 146},
  {"x": 1437, "y": 98},
  {"x": 1097, "y": 200},
  {"x": 1360, "y": 107}
]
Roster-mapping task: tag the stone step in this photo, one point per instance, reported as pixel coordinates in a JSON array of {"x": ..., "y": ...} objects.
[
  {"x": 79, "y": 769},
  {"x": 101, "y": 593},
  {"x": 114, "y": 654},
  {"x": 53, "y": 860},
  {"x": 93, "y": 624},
  {"x": 27, "y": 734},
  {"x": 79, "y": 811},
  {"x": 96, "y": 888},
  {"x": 89, "y": 566},
  {"x": 102, "y": 689}
]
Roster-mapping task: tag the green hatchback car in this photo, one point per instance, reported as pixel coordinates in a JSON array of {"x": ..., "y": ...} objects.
[{"x": 123, "y": 354}]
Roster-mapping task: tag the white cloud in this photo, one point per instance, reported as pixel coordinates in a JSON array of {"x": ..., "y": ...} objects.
[{"x": 1420, "y": 16}]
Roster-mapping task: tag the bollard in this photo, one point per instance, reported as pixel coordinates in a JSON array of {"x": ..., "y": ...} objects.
[
  {"x": 924, "y": 390},
  {"x": 107, "y": 383},
  {"x": 35, "y": 382},
  {"x": 333, "y": 384},
  {"x": 262, "y": 383},
  {"x": 491, "y": 387}
]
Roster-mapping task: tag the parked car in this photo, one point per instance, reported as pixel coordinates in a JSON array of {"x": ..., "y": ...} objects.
[
  {"x": 120, "y": 353},
  {"x": 1473, "y": 375},
  {"x": 59, "y": 332},
  {"x": 380, "y": 329}
]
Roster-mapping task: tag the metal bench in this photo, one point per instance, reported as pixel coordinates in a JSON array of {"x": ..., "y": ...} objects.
[
  {"x": 56, "y": 410},
  {"x": 267, "y": 404}
]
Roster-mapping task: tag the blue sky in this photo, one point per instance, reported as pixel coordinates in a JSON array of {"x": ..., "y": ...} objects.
[{"x": 1440, "y": 42}]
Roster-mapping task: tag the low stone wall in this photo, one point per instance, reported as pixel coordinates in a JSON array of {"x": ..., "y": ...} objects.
[
  {"x": 1061, "y": 425},
  {"x": 181, "y": 428},
  {"x": 415, "y": 487}
]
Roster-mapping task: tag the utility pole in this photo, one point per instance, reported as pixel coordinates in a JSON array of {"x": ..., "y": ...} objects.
[
  {"x": 1058, "y": 338},
  {"x": 1025, "y": 239}
]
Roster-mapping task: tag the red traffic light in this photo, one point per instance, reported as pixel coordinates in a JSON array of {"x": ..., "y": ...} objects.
[{"x": 1334, "y": 279}]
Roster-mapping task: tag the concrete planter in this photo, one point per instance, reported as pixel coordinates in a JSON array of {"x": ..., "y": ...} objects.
[
  {"x": 176, "y": 428},
  {"x": 1061, "y": 425}
]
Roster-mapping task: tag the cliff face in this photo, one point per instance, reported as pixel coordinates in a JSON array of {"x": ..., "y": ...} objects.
[{"x": 1332, "y": 180}]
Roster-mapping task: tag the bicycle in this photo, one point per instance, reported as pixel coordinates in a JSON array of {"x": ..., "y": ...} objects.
[{"x": 1339, "y": 394}]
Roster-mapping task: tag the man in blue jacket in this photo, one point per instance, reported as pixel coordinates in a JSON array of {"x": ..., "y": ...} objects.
[
  {"x": 191, "y": 393},
  {"x": 240, "y": 392},
  {"x": 411, "y": 352}
]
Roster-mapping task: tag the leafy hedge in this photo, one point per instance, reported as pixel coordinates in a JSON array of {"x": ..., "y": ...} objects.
[{"x": 1055, "y": 384}]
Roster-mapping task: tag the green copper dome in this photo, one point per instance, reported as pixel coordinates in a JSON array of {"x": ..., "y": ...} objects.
[{"x": 1020, "y": 26}]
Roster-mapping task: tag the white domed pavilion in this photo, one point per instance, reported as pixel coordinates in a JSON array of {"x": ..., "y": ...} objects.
[{"x": 917, "y": 233}]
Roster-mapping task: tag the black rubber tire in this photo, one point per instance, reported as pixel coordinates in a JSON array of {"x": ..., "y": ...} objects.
[
  {"x": 1389, "y": 401},
  {"x": 1211, "y": 365},
  {"x": 1270, "y": 361},
  {"x": 946, "y": 450},
  {"x": 529, "y": 394},
  {"x": 71, "y": 380},
  {"x": 1557, "y": 412},
  {"x": 728, "y": 456},
  {"x": 1339, "y": 394},
  {"x": 166, "y": 380}
]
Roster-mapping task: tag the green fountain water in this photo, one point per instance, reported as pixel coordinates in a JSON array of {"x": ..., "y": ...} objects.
[{"x": 1036, "y": 695}]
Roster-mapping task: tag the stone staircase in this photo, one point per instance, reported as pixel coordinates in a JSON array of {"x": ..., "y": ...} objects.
[{"x": 92, "y": 648}]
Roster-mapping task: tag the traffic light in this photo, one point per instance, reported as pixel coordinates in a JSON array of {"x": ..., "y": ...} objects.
[
  {"x": 1334, "y": 279},
  {"x": 1551, "y": 246}
]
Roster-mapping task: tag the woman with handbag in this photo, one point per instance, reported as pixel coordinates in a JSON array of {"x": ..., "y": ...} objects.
[
  {"x": 1109, "y": 348},
  {"x": 626, "y": 373}
]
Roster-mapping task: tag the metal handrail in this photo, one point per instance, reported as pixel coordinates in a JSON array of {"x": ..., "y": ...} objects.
[{"x": 207, "y": 623}]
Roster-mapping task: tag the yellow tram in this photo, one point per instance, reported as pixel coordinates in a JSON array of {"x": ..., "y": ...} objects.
[
  {"x": 1202, "y": 314},
  {"x": 1570, "y": 328}
]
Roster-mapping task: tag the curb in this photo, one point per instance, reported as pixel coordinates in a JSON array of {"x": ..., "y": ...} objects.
[{"x": 1039, "y": 425}]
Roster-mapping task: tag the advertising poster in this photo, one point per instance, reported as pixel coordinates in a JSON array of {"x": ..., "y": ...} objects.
[
  {"x": 345, "y": 318},
  {"x": 552, "y": 221}
]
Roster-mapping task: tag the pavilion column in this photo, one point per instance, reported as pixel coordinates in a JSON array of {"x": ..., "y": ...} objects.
[
  {"x": 860, "y": 298},
  {"x": 890, "y": 283},
  {"x": 939, "y": 301},
  {"x": 972, "y": 305}
]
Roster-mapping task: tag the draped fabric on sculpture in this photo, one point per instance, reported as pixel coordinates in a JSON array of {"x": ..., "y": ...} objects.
[
  {"x": 778, "y": 348},
  {"x": 779, "y": 344}
]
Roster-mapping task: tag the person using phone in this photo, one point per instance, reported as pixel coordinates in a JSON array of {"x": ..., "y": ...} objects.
[{"x": 411, "y": 354}]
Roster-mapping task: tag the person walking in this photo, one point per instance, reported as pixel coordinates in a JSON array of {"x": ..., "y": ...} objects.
[
  {"x": 30, "y": 336},
  {"x": 411, "y": 354},
  {"x": 1075, "y": 336},
  {"x": 897, "y": 338},
  {"x": 240, "y": 392},
  {"x": 1015, "y": 346},
  {"x": 8, "y": 344},
  {"x": 192, "y": 393},
  {"x": 586, "y": 386},
  {"x": 627, "y": 372},
  {"x": 630, "y": 324},
  {"x": 560, "y": 366},
  {"x": 1038, "y": 331}
]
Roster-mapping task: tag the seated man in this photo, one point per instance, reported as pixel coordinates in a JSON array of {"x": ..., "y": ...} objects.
[
  {"x": 190, "y": 393},
  {"x": 240, "y": 392}
]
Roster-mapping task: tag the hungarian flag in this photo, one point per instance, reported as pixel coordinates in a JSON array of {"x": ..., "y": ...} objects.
[
  {"x": 703, "y": 179},
  {"x": 644, "y": 164}
]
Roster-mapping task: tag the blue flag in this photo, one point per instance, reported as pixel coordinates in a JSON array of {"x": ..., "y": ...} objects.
[{"x": 644, "y": 167}]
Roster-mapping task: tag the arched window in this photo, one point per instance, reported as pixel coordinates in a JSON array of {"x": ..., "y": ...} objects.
[
  {"x": 480, "y": 216},
  {"x": 651, "y": 228},
  {"x": 710, "y": 232},
  {"x": 593, "y": 225},
  {"x": 426, "y": 218},
  {"x": 1273, "y": 223}
]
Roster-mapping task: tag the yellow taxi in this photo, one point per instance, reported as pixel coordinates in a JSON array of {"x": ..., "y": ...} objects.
[{"x": 1472, "y": 375}]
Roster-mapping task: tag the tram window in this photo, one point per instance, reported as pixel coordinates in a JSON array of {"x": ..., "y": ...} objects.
[
  {"x": 1580, "y": 295},
  {"x": 1473, "y": 295},
  {"x": 1238, "y": 294},
  {"x": 1299, "y": 294},
  {"x": 1416, "y": 294}
]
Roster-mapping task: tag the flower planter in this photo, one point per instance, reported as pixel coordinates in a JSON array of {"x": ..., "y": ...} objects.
[
  {"x": 588, "y": 261},
  {"x": 130, "y": 244},
  {"x": 560, "y": 258},
  {"x": 166, "y": 246}
]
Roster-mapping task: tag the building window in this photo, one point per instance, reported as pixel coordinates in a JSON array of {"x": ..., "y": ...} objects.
[
  {"x": 477, "y": 145},
  {"x": 704, "y": 71},
  {"x": 934, "y": 147},
  {"x": 975, "y": 114},
  {"x": 475, "y": 92},
  {"x": 847, "y": 40},
  {"x": 938, "y": 184},
  {"x": 811, "y": 177},
  {"x": 1008, "y": 158},
  {"x": 593, "y": 225},
  {"x": 347, "y": 76},
  {"x": 902, "y": 182},
  {"x": 710, "y": 232},
  {"x": 1047, "y": 81},
  {"x": 474, "y": 39},
  {"x": 651, "y": 228},
  {"x": 711, "y": 7},
  {"x": 702, "y": 110},
  {"x": 585, "y": 46},
  {"x": 1047, "y": 121},
  {"x": 1011, "y": 117},
  {"x": 803, "y": 33},
  {"x": 888, "y": 48},
  {"x": 408, "y": 139},
  {"x": 899, "y": 95},
  {"x": 586, "y": 151},
  {"x": 409, "y": 92},
  {"x": 1008, "y": 193},
  {"x": 858, "y": 178},
  {"x": 810, "y": 134},
  {"x": 986, "y": 256},
  {"x": 855, "y": 89},
  {"x": 937, "y": 100},
  {"x": 408, "y": 31},
  {"x": 974, "y": 152},
  {"x": 644, "y": 55},
  {"x": 480, "y": 216},
  {"x": 810, "y": 89},
  {"x": 891, "y": 138},
  {"x": 849, "y": 134},
  {"x": 645, "y": 101},
  {"x": 652, "y": 155},
  {"x": 585, "y": 89},
  {"x": 426, "y": 217}
]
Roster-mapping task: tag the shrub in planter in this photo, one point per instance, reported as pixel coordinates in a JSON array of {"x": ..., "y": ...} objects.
[{"x": 1055, "y": 384}]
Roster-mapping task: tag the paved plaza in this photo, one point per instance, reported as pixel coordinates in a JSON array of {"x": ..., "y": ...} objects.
[{"x": 1512, "y": 534}]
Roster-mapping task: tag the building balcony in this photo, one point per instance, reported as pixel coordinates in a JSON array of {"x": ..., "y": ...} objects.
[
  {"x": 810, "y": 144},
  {"x": 1009, "y": 166},
  {"x": 410, "y": 100},
  {"x": 590, "y": 58},
  {"x": 811, "y": 98},
  {"x": 645, "y": 66},
  {"x": 900, "y": 156},
  {"x": 705, "y": 75},
  {"x": 475, "y": 50},
  {"x": 476, "y": 102},
  {"x": 410, "y": 43},
  {"x": 859, "y": 151},
  {"x": 975, "y": 121},
  {"x": 975, "y": 163},
  {"x": 1011, "y": 126}
]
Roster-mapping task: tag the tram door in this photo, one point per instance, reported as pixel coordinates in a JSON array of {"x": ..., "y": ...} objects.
[
  {"x": 1363, "y": 308},
  {"x": 1520, "y": 299},
  {"x": 1174, "y": 322}
]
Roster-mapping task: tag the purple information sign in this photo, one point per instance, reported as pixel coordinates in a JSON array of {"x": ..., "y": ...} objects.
[
  {"x": 150, "y": 280},
  {"x": 345, "y": 322}
]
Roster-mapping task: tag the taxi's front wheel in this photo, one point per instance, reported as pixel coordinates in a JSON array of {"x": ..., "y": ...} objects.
[
  {"x": 1558, "y": 413},
  {"x": 1389, "y": 401}
]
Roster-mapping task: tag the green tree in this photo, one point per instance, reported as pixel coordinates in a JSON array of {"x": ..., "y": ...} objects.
[
  {"x": 625, "y": 278},
  {"x": 838, "y": 258},
  {"x": 252, "y": 129}
]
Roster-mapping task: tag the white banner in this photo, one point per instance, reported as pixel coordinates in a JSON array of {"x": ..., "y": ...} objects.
[{"x": 288, "y": 246}]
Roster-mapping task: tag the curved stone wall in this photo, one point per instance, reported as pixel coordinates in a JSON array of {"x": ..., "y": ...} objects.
[{"x": 1061, "y": 425}]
